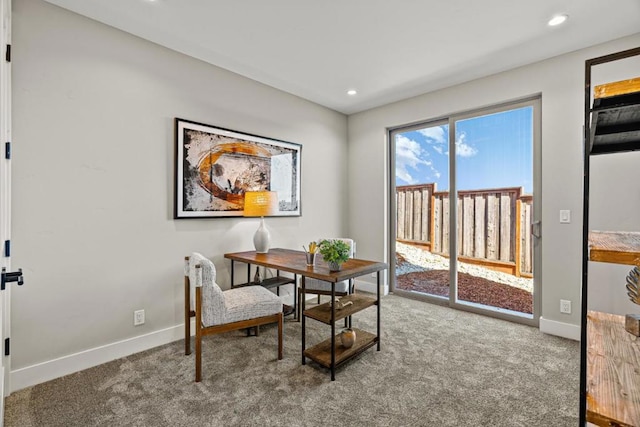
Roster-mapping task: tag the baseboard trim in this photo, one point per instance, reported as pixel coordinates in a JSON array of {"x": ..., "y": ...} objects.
[
  {"x": 561, "y": 329},
  {"x": 56, "y": 368}
]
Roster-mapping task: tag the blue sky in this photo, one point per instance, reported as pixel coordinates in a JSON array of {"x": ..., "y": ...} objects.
[{"x": 492, "y": 151}]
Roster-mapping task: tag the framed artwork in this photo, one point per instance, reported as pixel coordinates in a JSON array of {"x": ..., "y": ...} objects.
[{"x": 216, "y": 166}]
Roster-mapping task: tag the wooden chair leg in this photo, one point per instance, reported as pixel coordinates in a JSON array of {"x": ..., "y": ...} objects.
[{"x": 280, "y": 317}]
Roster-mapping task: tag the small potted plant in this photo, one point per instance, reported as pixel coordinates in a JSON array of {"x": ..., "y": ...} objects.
[{"x": 335, "y": 252}]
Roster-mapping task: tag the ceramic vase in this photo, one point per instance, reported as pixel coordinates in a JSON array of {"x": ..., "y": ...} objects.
[
  {"x": 348, "y": 338},
  {"x": 334, "y": 266}
]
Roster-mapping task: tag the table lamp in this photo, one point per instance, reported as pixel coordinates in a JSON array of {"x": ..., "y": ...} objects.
[{"x": 261, "y": 203}]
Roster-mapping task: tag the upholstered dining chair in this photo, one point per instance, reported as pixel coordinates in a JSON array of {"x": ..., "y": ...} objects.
[
  {"x": 217, "y": 311},
  {"x": 320, "y": 287}
]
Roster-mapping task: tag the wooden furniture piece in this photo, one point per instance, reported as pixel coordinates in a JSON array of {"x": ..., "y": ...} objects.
[
  {"x": 320, "y": 287},
  {"x": 218, "y": 311},
  {"x": 328, "y": 353},
  {"x": 609, "y": 355}
]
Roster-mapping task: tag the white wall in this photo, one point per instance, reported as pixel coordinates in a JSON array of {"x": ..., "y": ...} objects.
[
  {"x": 93, "y": 162},
  {"x": 561, "y": 82}
]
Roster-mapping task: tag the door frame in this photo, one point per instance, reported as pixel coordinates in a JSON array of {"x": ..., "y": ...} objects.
[
  {"x": 5, "y": 195},
  {"x": 535, "y": 101}
]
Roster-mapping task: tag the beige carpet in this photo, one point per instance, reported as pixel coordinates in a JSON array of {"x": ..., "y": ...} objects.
[{"x": 437, "y": 367}]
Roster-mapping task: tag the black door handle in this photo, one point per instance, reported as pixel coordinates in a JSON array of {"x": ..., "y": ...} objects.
[{"x": 13, "y": 276}]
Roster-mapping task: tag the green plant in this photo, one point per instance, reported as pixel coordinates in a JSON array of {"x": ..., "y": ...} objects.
[{"x": 334, "y": 251}]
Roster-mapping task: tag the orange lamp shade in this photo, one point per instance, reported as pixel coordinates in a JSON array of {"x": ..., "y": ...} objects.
[{"x": 260, "y": 203}]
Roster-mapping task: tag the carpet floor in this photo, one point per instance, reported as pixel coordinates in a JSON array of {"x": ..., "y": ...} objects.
[{"x": 437, "y": 367}]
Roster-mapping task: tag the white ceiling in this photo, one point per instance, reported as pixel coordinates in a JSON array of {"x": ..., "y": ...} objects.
[{"x": 386, "y": 49}]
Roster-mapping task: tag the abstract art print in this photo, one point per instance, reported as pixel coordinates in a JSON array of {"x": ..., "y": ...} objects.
[{"x": 216, "y": 166}]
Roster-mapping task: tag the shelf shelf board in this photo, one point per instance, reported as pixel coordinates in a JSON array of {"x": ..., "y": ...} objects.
[
  {"x": 271, "y": 282},
  {"x": 613, "y": 377},
  {"x": 321, "y": 353},
  {"x": 322, "y": 312},
  {"x": 618, "y": 247}
]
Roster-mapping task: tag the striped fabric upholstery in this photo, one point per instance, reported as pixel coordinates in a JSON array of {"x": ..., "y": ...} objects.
[{"x": 233, "y": 305}]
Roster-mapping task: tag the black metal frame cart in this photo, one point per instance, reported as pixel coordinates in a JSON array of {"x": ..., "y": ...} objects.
[{"x": 609, "y": 355}]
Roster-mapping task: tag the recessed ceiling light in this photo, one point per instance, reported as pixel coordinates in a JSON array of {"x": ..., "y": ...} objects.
[
  {"x": 352, "y": 92},
  {"x": 557, "y": 20}
]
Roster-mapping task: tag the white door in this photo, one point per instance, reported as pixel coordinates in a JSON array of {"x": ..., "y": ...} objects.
[{"x": 5, "y": 200}]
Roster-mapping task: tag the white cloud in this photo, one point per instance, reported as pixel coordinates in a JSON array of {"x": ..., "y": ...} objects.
[
  {"x": 463, "y": 149},
  {"x": 435, "y": 134},
  {"x": 408, "y": 154}
]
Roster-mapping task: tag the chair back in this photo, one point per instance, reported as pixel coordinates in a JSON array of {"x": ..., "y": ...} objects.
[{"x": 213, "y": 304}]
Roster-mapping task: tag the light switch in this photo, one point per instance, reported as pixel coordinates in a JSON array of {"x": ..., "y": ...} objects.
[{"x": 565, "y": 216}]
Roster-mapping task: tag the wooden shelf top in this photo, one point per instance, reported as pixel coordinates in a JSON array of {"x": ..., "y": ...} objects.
[
  {"x": 613, "y": 374},
  {"x": 295, "y": 262},
  {"x": 618, "y": 247},
  {"x": 321, "y": 353},
  {"x": 322, "y": 312},
  {"x": 617, "y": 88}
]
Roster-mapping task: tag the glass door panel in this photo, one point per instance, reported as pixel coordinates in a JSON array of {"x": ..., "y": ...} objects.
[
  {"x": 494, "y": 202},
  {"x": 422, "y": 210}
]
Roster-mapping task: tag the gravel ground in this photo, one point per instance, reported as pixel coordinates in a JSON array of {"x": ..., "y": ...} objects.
[{"x": 418, "y": 260}]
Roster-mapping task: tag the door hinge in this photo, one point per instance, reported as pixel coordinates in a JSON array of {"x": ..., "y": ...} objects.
[
  {"x": 7, "y": 150},
  {"x": 7, "y": 346},
  {"x": 7, "y": 55},
  {"x": 7, "y": 248},
  {"x": 12, "y": 276}
]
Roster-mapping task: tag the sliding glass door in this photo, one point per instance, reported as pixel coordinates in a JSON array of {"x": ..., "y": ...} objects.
[{"x": 469, "y": 186}]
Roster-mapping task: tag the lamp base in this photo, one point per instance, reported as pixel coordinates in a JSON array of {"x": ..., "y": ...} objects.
[{"x": 262, "y": 238}]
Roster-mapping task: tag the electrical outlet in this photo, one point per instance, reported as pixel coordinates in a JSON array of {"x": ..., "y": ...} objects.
[
  {"x": 138, "y": 317},
  {"x": 565, "y": 306},
  {"x": 565, "y": 216}
]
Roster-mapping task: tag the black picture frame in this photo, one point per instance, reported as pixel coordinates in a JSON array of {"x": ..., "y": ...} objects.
[{"x": 215, "y": 166}]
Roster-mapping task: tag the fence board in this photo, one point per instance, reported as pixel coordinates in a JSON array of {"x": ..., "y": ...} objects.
[
  {"x": 417, "y": 215},
  {"x": 437, "y": 225},
  {"x": 459, "y": 230},
  {"x": 426, "y": 215},
  {"x": 467, "y": 204},
  {"x": 505, "y": 227},
  {"x": 400, "y": 207},
  {"x": 518, "y": 240},
  {"x": 480, "y": 225},
  {"x": 527, "y": 253},
  {"x": 493, "y": 213},
  {"x": 445, "y": 224},
  {"x": 409, "y": 213}
]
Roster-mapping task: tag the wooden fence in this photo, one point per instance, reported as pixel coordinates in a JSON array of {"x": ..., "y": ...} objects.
[{"x": 493, "y": 225}]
